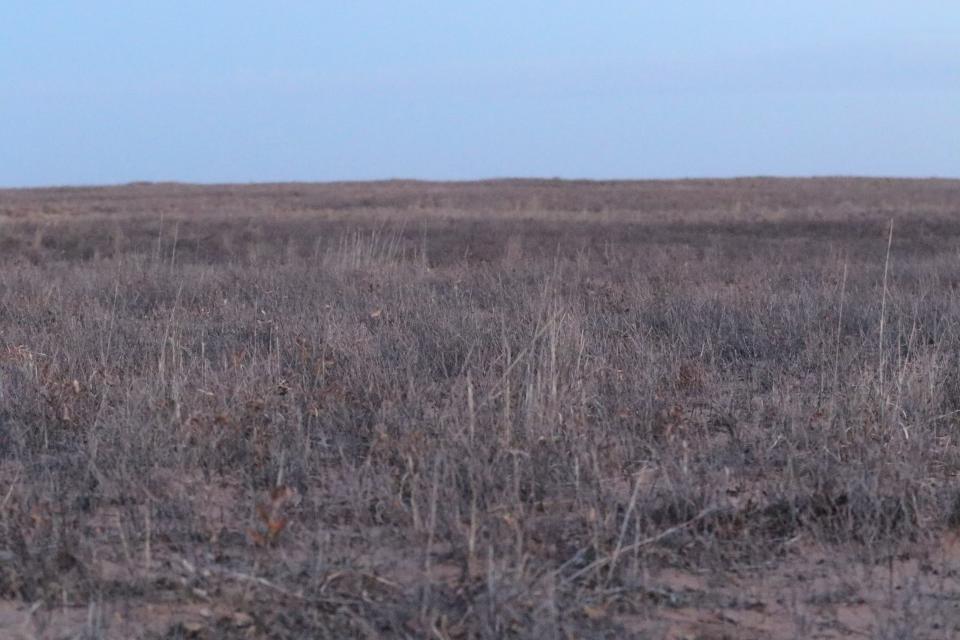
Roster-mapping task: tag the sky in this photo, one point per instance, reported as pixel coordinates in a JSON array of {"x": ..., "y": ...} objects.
[{"x": 106, "y": 92}]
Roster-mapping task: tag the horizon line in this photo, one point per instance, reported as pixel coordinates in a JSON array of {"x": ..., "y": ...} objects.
[{"x": 478, "y": 181}]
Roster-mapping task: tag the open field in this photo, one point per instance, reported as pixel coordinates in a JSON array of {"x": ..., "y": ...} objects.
[{"x": 704, "y": 409}]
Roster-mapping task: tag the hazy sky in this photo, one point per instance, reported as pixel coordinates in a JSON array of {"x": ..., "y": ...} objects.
[{"x": 214, "y": 91}]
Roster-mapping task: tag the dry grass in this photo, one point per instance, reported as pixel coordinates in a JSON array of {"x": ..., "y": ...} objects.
[{"x": 507, "y": 409}]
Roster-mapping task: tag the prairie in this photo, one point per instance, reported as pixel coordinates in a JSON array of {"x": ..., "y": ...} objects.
[{"x": 515, "y": 408}]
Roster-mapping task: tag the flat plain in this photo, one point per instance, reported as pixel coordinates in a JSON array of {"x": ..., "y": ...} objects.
[{"x": 515, "y": 408}]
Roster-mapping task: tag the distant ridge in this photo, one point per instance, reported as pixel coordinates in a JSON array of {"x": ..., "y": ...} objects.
[{"x": 838, "y": 195}]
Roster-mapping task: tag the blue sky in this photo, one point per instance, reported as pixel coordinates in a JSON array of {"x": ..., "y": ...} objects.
[{"x": 234, "y": 91}]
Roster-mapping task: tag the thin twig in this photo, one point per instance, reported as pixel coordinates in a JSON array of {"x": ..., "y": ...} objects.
[
  {"x": 836, "y": 360},
  {"x": 883, "y": 301},
  {"x": 597, "y": 564},
  {"x": 626, "y": 522}
]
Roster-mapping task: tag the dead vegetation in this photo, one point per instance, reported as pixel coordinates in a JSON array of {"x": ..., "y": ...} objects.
[{"x": 512, "y": 409}]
